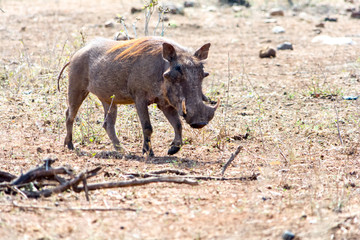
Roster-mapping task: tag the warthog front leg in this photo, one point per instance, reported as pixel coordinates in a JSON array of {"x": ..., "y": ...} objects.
[
  {"x": 109, "y": 124},
  {"x": 143, "y": 112},
  {"x": 173, "y": 117}
]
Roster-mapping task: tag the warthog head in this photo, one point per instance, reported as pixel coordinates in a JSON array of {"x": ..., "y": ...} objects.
[{"x": 183, "y": 84}]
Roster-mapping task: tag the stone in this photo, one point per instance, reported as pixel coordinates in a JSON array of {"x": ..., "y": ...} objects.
[
  {"x": 285, "y": 46},
  {"x": 109, "y": 24},
  {"x": 320, "y": 25},
  {"x": 324, "y": 39},
  {"x": 355, "y": 15},
  {"x": 267, "y": 53},
  {"x": 278, "y": 29},
  {"x": 287, "y": 235},
  {"x": 276, "y": 12},
  {"x": 188, "y": 4}
]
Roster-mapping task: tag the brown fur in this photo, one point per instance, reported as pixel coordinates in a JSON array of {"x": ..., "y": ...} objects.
[{"x": 142, "y": 71}]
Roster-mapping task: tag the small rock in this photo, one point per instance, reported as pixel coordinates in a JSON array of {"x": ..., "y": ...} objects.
[
  {"x": 175, "y": 9},
  {"x": 189, "y": 4},
  {"x": 285, "y": 46},
  {"x": 109, "y": 24},
  {"x": 267, "y": 53},
  {"x": 239, "y": 2},
  {"x": 350, "y": 9},
  {"x": 276, "y": 12},
  {"x": 324, "y": 39},
  {"x": 278, "y": 29},
  {"x": 329, "y": 19},
  {"x": 320, "y": 25},
  {"x": 287, "y": 235},
  {"x": 23, "y": 29},
  {"x": 270, "y": 20},
  {"x": 212, "y": 9},
  {"x": 355, "y": 15},
  {"x": 135, "y": 10},
  {"x": 317, "y": 30},
  {"x": 236, "y": 8},
  {"x": 350, "y": 97},
  {"x": 121, "y": 36}
]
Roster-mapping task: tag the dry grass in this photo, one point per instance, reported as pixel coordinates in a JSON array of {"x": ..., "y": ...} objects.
[{"x": 290, "y": 107}]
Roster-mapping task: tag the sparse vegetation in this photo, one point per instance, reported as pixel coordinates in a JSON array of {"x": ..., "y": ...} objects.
[{"x": 287, "y": 113}]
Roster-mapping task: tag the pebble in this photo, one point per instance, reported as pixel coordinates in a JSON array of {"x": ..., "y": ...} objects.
[
  {"x": 355, "y": 15},
  {"x": 330, "y": 19},
  {"x": 270, "y": 20},
  {"x": 135, "y": 10},
  {"x": 320, "y": 25},
  {"x": 189, "y": 4},
  {"x": 276, "y": 12},
  {"x": 236, "y": 8},
  {"x": 109, "y": 24},
  {"x": 267, "y": 53},
  {"x": 287, "y": 235},
  {"x": 278, "y": 29},
  {"x": 324, "y": 39},
  {"x": 285, "y": 46}
]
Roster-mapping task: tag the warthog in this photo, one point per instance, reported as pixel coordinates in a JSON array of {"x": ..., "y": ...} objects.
[{"x": 141, "y": 71}]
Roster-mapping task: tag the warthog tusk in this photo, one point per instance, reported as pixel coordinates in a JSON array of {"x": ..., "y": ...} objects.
[
  {"x": 183, "y": 106},
  {"x": 217, "y": 104}
]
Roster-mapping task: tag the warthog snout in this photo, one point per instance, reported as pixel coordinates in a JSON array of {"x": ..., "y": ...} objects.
[
  {"x": 200, "y": 116},
  {"x": 198, "y": 125}
]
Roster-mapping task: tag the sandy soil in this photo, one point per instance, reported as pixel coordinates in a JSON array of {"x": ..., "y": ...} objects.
[{"x": 291, "y": 107}]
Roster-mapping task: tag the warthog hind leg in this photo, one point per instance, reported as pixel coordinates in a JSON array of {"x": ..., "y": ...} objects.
[
  {"x": 143, "y": 112},
  {"x": 109, "y": 124},
  {"x": 75, "y": 100}
]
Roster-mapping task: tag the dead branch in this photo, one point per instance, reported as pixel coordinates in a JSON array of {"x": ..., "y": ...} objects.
[
  {"x": 14, "y": 204},
  {"x": 48, "y": 192},
  {"x": 253, "y": 177},
  {"x": 40, "y": 173},
  {"x": 6, "y": 177},
  {"x": 136, "y": 182},
  {"x": 232, "y": 157},
  {"x": 174, "y": 171}
]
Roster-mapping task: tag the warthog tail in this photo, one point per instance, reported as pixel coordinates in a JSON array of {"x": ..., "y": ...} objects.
[{"x": 58, "y": 85}]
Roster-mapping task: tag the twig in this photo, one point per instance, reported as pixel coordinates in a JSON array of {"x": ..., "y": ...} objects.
[
  {"x": 205, "y": 178},
  {"x": 232, "y": 157},
  {"x": 337, "y": 124},
  {"x": 86, "y": 190},
  {"x": 14, "y": 204},
  {"x": 175, "y": 171},
  {"x": 283, "y": 155},
  {"x": 19, "y": 191},
  {"x": 136, "y": 182}
]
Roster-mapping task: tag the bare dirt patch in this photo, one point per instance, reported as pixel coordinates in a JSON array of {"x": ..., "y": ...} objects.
[{"x": 287, "y": 112}]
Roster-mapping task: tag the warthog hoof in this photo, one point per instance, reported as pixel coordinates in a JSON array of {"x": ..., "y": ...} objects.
[
  {"x": 70, "y": 145},
  {"x": 173, "y": 150}
]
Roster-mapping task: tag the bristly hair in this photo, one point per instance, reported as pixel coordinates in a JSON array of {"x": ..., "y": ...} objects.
[{"x": 137, "y": 47}]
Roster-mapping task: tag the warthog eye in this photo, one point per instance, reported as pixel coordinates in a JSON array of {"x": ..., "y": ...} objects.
[{"x": 178, "y": 68}]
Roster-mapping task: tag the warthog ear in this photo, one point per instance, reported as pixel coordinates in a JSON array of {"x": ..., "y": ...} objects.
[
  {"x": 202, "y": 53},
  {"x": 169, "y": 52}
]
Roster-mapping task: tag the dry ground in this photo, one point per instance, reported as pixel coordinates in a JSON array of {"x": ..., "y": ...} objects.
[{"x": 290, "y": 106}]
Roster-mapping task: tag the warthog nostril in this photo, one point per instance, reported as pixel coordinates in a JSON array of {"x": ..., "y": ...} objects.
[{"x": 198, "y": 125}]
